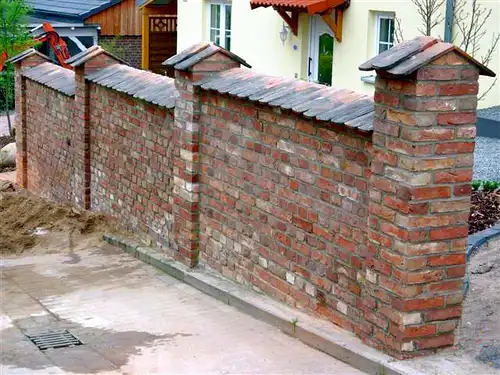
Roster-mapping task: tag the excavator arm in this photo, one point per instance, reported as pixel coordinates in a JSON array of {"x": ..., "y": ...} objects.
[{"x": 56, "y": 43}]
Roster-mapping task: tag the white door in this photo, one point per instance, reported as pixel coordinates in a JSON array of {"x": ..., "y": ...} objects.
[{"x": 320, "y": 63}]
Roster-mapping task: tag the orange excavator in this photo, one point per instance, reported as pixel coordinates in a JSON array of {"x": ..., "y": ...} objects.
[{"x": 55, "y": 42}]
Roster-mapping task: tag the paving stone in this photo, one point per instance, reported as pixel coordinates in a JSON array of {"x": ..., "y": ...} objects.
[{"x": 134, "y": 319}]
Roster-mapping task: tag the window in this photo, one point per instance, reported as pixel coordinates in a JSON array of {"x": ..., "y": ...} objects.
[
  {"x": 220, "y": 24},
  {"x": 384, "y": 32}
]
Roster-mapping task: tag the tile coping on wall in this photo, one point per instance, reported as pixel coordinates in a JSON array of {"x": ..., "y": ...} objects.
[{"x": 312, "y": 331}]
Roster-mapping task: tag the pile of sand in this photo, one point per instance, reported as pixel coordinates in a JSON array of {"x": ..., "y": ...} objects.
[{"x": 23, "y": 216}]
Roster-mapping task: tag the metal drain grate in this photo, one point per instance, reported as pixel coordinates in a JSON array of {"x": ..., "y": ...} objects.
[{"x": 54, "y": 340}]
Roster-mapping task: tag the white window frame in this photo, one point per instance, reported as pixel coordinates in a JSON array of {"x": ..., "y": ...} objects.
[
  {"x": 223, "y": 27},
  {"x": 381, "y": 16}
]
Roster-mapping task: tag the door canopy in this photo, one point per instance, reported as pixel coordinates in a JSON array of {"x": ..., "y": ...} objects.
[{"x": 331, "y": 11}]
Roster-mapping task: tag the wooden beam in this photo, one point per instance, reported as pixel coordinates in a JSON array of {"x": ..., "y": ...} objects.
[
  {"x": 335, "y": 23},
  {"x": 145, "y": 38},
  {"x": 292, "y": 21}
]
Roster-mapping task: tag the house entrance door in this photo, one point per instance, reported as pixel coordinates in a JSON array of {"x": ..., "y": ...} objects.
[
  {"x": 162, "y": 42},
  {"x": 320, "y": 64}
]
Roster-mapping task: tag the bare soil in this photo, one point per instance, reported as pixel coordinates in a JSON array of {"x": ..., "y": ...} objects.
[
  {"x": 481, "y": 316},
  {"x": 485, "y": 210},
  {"x": 25, "y": 219}
]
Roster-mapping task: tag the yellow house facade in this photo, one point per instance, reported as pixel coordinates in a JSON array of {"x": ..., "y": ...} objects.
[{"x": 321, "y": 40}]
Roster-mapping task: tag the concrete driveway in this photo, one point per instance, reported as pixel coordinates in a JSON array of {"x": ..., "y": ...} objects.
[{"x": 132, "y": 319}]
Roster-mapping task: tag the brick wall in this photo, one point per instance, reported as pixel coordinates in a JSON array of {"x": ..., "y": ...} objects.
[
  {"x": 49, "y": 148},
  {"x": 128, "y": 47},
  {"x": 284, "y": 204},
  {"x": 131, "y": 161},
  {"x": 350, "y": 208}
]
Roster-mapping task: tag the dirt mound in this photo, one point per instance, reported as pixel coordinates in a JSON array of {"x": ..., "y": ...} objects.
[
  {"x": 24, "y": 217},
  {"x": 485, "y": 210}
]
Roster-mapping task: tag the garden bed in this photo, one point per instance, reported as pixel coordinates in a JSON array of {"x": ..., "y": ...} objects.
[{"x": 485, "y": 206}]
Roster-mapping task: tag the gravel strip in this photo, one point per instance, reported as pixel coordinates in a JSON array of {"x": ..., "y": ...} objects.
[
  {"x": 491, "y": 113},
  {"x": 487, "y": 159}
]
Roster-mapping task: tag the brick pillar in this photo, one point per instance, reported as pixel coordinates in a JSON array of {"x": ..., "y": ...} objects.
[
  {"x": 423, "y": 143},
  {"x": 81, "y": 167},
  {"x": 85, "y": 63},
  {"x": 21, "y": 144},
  {"x": 26, "y": 60},
  {"x": 191, "y": 66}
]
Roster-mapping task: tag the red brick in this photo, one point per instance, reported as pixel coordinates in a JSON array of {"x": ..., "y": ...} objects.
[
  {"x": 426, "y": 104},
  {"x": 419, "y": 304},
  {"x": 454, "y": 272},
  {"x": 462, "y": 190},
  {"x": 438, "y": 74},
  {"x": 386, "y": 99},
  {"x": 431, "y": 192},
  {"x": 413, "y": 332},
  {"x": 456, "y": 118},
  {"x": 435, "y": 342},
  {"x": 425, "y": 135},
  {"x": 303, "y": 224},
  {"x": 443, "y": 314},
  {"x": 455, "y": 148},
  {"x": 382, "y": 212},
  {"x": 446, "y": 260},
  {"x": 401, "y": 117},
  {"x": 375, "y": 319},
  {"x": 456, "y": 89},
  {"x": 446, "y": 286},
  {"x": 394, "y": 231},
  {"x": 458, "y": 175},
  {"x": 386, "y": 128},
  {"x": 448, "y": 233}
]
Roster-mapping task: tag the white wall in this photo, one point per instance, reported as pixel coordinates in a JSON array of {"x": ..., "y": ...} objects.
[{"x": 255, "y": 37}]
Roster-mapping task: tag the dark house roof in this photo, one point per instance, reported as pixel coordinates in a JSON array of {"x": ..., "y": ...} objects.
[
  {"x": 140, "y": 3},
  {"x": 69, "y": 9}
]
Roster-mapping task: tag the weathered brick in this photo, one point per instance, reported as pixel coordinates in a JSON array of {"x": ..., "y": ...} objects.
[
  {"x": 431, "y": 192},
  {"x": 456, "y": 89},
  {"x": 456, "y": 118},
  {"x": 358, "y": 227},
  {"x": 455, "y": 148},
  {"x": 448, "y": 233},
  {"x": 435, "y": 342},
  {"x": 457, "y": 175}
]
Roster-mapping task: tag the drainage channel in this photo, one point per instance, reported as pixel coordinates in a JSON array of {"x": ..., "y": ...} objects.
[{"x": 54, "y": 340}]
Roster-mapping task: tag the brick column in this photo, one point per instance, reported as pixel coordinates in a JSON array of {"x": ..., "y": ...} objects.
[
  {"x": 21, "y": 146},
  {"x": 89, "y": 61},
  {"x": 81, "y": 145},
  {"x": 26, "y": 60},
  {"x": 423, "y": 143},
  {"x": 190, "y": 66}
]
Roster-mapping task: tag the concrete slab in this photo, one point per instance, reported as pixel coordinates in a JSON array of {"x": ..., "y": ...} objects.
[
  {"x": 134, "y": 319},
  {"x": 317, "y": 333}
]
